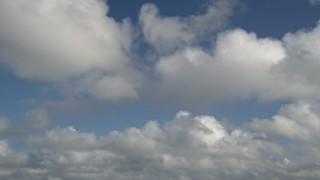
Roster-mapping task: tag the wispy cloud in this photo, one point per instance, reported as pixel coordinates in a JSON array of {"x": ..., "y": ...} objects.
[
  {"x": 314, "y": 2},
  {"x": 36, "y": 120},
  {"x": 183, "y": 31}
]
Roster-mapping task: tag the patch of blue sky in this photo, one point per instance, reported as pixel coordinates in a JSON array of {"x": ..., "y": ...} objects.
[
  {"x": 14, "y": 93},
  {"x": 120, "y": 9},
  {"x": 274, "y": 18}
]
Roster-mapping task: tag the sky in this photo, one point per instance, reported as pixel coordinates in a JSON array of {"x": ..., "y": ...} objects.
[{"x": 165, "y": 90}]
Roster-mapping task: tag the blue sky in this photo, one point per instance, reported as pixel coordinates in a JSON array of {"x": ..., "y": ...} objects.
[{"x": 162, "y": 84}]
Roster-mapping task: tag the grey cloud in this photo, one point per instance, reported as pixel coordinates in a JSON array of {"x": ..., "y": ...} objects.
[
  {"x": 36, "y": 120},
  {"x": 19, "y": 165},
  {"x": 314, "y": 2}
]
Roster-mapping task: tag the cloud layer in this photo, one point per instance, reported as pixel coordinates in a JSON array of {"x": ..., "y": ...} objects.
[{"x": 188, "y": 147}]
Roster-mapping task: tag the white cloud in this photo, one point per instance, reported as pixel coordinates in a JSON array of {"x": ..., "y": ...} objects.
[
  {"x": 295, "y": 121},
  {"x": 58, "y": 40},
  {"x": 239, "y": 66},
  {"x": 297, "y": 125},
  {"x": 242, "y": 65},
  {"x": 303, "y": 61}
]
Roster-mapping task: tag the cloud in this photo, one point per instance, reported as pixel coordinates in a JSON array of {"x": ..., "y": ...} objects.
[
  {"x": 182, "y": 31},
  {"x": 58, "y": 41},
  {"x": 240, "y": 66},
  {"x": 114, "y": 88},
  {"x": 62, "y": 38},
  {"x": 187, "y": 147},
  {"x": 303, "y": 51},
  {"x": 37, "y": 120},
  {"x": 4, "y": 124},
  {"x": 4, "y": 148},
  {"x": 298, "y": 121},
  {"x": 86, "y": 53},
  {"x": 82, "y": 51},
  {"x": 297, "y": 125},
  {"x": 314, "y": 2},
  {"x": 19, "y": 165}
]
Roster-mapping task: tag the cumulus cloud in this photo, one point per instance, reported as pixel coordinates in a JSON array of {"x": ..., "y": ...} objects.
[
  {"x": 58, "y": 40},
  {"x": 298, "y": 121},
  {"x": 303, "y": 62},
  {"x": 188, "y": 147},
  {"x": 298, "y": 125},
  {"x": 241, "y": 65}
]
